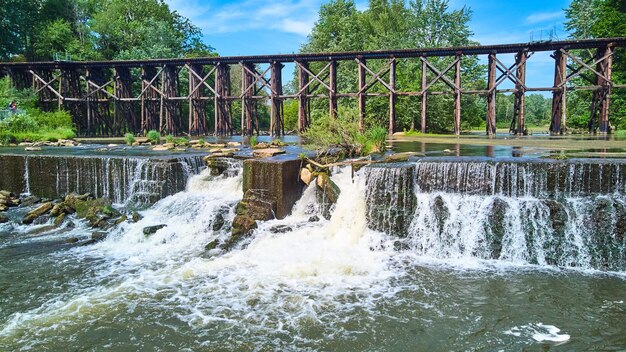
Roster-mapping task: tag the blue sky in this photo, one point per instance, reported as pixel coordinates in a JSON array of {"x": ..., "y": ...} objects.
[{"x": 254, "y": 27}]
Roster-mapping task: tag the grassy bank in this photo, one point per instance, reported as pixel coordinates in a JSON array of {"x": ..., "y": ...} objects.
[{"x": 29, "y": 123}]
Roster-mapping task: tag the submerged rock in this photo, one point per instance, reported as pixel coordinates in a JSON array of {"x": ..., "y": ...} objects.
[
  {"x": 281, "y": 229},
  {"x": 151, "y": 230},
  {"x": 212, "y": 245},
  {"x": 30, "y": 200},
  {"x": 3, "y": 218}
]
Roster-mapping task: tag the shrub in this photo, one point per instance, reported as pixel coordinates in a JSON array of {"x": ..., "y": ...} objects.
[
  {"x": 153, "y": 136},
  {"x": 169, "y": 138},
  {"x": 129, "y": 138},
  {"x": 181, "y": 141},
  {"x": 253, "y": 141},
  {"x": 343, "y": 133}
]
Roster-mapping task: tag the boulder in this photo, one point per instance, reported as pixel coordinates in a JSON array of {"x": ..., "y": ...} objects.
[
  {"x": 34, "y": 214},
  {"x": 3, "y": 207},
  {"x": 267, "y": 152},
  {"x": 281, "y": 229},
  {"x": 151, "y": 230},
  {"x": 72, "y": 240},
  {"x": 6, "y": 194},
  {"x": 30, "y": 200},
  {"x": 59, "y": 219},
  {"x": 212, "y": 245},
  {"x": 136, "y": 216},
  {"x": 216, "y": 165},
  {"x": 261, "y": 145},
  {"x": 233, "y": 144},
  {"x": 3, "y": 218},
  {"x": 306, "y": 176},
  {"x": 32, "y": 149},
  {"x": 327, "y": 193}
]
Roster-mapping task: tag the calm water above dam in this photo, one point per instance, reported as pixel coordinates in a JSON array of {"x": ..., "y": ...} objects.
[{"x": 486, "y": 270}]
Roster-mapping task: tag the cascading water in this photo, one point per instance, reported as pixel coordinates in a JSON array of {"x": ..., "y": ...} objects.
[
  {"x": 305, "y": 283},
  {"x": 137, "y": 181},
  {"x": 513, "y": 212}
]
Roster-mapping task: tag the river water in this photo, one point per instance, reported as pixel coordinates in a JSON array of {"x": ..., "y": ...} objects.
[{"x": 324, "y": 285}]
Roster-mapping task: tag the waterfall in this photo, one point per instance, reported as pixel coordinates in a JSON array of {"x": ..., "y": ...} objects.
[
  {"x": 567, "y": 214},
  {"x": 134, "y": 181}
]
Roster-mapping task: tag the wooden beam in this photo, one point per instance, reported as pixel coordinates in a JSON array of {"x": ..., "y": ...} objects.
[
  {"x": 424, "y": 93},
  {"x": 518, "y": 123},
  {"x": 557, "y": 123},
  {"x": 276, "y": 104},
  {"x": 332, "y": 93},
  {"x": 491, "y": 95},
  {"x": 457, "y": 96},
  {"x": 303, "y": 91},
  {"x": 361, "y": 97},
  {"x": 392, "y": 96}
]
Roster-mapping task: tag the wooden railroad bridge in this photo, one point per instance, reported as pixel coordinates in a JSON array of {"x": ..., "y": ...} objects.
[{"x": 112, "y": 97}]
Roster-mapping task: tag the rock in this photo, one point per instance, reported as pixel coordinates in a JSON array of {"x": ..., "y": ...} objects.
[
  {"x": 136, "y": 217},
  {"x": 6, "y": 194},
  {"x": 72, "y": 240},
  {"x": 98, "y": 235},
  {"x": 3, "y": 207},
  {"x": 242, "y": 226},
  {"x": 261, "y": 145},
  {"x": 278, "y": 143},
  {"x": 32, "y": 149},
  {"x": 59, "y": 219},
  {"x": 280, "y": 229},
  {"x": 233, "y": 144},
  {"x": 306, "y": 176},
  {"x": 216, "y": 165},
  {"x": 121, "y": 219},
  {"x": 399, "y": 157},
  {"x": 212, "y": 245},
  {"x": 314, "y": 218},
  {"x": 67, "y": 143},
  {"x": 160, "y": 148},
  {"x": 30, "y": 200},
  {"x": 267, "y": 152},
  {"x": 215, "y": 145},
  {"x": 25, "y": 144},
  {"x": 220, "y": 155},
  {"x": 34, "y": 214},
  {"x": 327, "y": 193},
  {"x": 3, "y": 218},
  {"x": 218, "y": 222},
  {"x": 58, "y": 209},
  {"x": 112, "y": 145},
  {"x": 151, "y": 230}
]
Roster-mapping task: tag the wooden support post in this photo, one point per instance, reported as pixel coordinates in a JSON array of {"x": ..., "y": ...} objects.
[
  {"x": 276, "y": 87},
  {"x": 392, "y": 96},
  {"x": 170, "y": 89},
  {"x": 197, "y": 114},
  {"x": 361, "y": 95},
  {"x": 518, "y": 125},
  {"x": 223, "y": 126},
  {"x": 124, "y": 106},
  {"x": 558, "y": 94},
  {"x": 457, "y": 96},
  {"x": 424, "y": 95},
  {"x": 88, "y": 104},
  {"x": 491, "y": 95},
  {"x": 247, "y": 103},
  {"x": 303, "y": 99},
  {"x": 150, "y": 100},
  {"x": 602, "y": 95},
  {"x": 73, "y": 98},
  {"x": 332, "y": 94}
]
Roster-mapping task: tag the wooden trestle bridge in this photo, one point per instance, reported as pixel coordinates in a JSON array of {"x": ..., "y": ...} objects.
[{"x": 105, "y": 97}]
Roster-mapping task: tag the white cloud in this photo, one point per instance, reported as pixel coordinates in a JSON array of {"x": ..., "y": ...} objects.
[
  {"x": 213, "y": 16},
  {"x": 544, "y": 16}
]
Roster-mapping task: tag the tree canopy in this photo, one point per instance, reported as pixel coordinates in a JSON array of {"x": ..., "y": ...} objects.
[{"x": 96, "y": 29}]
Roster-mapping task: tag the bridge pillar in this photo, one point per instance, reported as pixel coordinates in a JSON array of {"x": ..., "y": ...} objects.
[
  {"x": 19, "y": 78},
  {"x": 72, "y": 93},
  {"x": 424, "y": 95},
  {"x": 558, "y": 121},
  {"x": 276, "y": 108},
  {"x": 332, "y": 94},
  {"x": 197, "y": 115},
  {"x": 97, "y": 104},
  {"x": 361, "y": 93},
  {"x": 457, "y": 96},
  {"x": 43, "y": 81},
  {"x": 491, "y": 95},
  {"x": 303, "y": 99},
  {"x": 171, "y": 121},
  {"x": 602, "y": 94},
  {"x": 518, "y": 123},
  {"x": 150, "y": 98},
  {"x": 248, "y": 113},
  {"x": 223, "y": 123},
  {"x": 392, "y": 96},
  {"x": 124, "y": 108}
]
